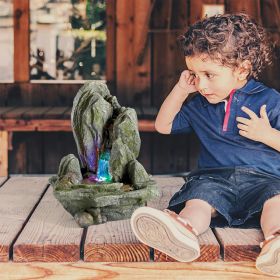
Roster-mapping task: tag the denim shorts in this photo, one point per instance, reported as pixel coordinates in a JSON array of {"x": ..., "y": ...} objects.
[{"x": 238, "y": 194}]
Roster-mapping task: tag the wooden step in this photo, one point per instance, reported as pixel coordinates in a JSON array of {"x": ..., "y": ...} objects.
[
  {"x": 239, "y": 244},
  {"x": 51, "y": 234},
  {"x": 18, "y": 196},
  {"x": 2, "y": 180},
  {"x": 114, "y": 242}
]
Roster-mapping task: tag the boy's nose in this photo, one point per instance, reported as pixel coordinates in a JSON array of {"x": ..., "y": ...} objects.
[{"x": 201, "y": 86}]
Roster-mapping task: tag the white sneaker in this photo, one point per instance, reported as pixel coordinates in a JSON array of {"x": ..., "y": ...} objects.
[
  {"x": 268, "y": 261},
  {"x": 167, "y": 232}
]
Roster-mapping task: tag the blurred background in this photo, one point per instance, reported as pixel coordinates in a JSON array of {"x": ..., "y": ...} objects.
[{"x": 48, "y": 48}]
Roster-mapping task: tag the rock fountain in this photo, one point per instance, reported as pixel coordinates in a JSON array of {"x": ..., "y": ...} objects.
[{"x": 107, "y": 182}]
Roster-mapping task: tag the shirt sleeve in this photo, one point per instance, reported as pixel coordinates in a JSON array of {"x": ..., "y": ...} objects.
[{"x": 181, "y": 122}]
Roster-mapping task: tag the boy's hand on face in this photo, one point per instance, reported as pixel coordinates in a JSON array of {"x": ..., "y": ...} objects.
[
  {"x": 187, "y": 82},
  {"x": 256, "y": 128}
]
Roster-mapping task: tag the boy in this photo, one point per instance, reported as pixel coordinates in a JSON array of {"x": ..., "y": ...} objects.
[{"x": 237, "y": 120}]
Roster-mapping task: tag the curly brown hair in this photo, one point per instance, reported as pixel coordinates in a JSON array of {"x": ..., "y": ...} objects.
[{"x": 229, "y": 39}]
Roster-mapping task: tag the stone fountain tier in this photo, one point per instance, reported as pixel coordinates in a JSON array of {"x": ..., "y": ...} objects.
[
  {"x": 95, "y": 203},
  {"x": 99, "y": 123}
]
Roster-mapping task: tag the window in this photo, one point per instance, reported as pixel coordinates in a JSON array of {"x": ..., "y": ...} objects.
[
  {"x": 6, "y": 40},
  {"x": 67, "y": 39}
]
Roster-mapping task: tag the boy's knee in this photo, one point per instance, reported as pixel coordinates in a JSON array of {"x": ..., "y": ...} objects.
[
  {"x": 273, "y": 199},
  {"x": 202, "y": 204}
]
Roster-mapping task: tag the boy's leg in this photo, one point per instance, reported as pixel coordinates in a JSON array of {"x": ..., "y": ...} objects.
[
  {"x": 270, "y": 222},
  {"x": 269, "y": 259},
  {"x": 198, "y": 213}
]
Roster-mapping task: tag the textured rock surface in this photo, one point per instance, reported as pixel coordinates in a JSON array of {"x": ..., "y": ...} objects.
[{"x": 100, "y": 124}]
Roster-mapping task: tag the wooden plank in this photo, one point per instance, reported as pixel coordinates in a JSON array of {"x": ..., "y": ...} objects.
[
  {"x": 133, "y": 63},
  {"x": 239, "y": 244},
  {"x": 36, "y": 113},
  {"x": 114, "y": 242},
  {"x": 35, "y": 125},
  {"x": 67, "y": 113},
  {"x": 18, "y": 196},
  {"x": 56, "y": 113},
  {"x": 4, "y": 143},
  {"x": 21, "y": 40},
  {"x": 270, "y": 11},
  {"x": 4, "y": 110},
  {"x": 55, "y": 125},
  {"x": 127, "y": 271},
  {"x": 166, "y": 72},
  {"x": 50, "y": 235},
  {"x": 195, "y": 10},
  {"x": 111, "y": 45},
  {"x": 250, "y": 7},
  {"x": 2, "y": 180},
  {"x": 18, "y": 157},
  {"x": 16, "y": 113},
  {"x": 180, "y": 14},
  {"x": 209, "y": 246},
  {"x": 124, "y": 47},
  {"x": 142, "y": 53},
  {"x": 41, "y": 93}
]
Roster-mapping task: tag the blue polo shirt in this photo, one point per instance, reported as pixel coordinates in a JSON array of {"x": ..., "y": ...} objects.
[{"x": 226, "y": 148}]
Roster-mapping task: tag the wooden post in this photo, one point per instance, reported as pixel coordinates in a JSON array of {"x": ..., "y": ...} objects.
[
  {"x": 133, "y": 63},
  {"x": 3, "y": 153},
  {"x": 21, "y": 41},
  {"x": 111, "y": 45},
  {"x": 250, "y": 7}
]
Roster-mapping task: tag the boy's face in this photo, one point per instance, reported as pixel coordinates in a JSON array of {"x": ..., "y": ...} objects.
[{"x": 213, "y": 80}]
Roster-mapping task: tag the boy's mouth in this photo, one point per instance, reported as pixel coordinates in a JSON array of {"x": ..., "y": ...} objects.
[{"x": 208, "y": 94}]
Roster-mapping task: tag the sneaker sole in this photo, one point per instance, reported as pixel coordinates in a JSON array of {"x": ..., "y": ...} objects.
[
  {"x": 153, "y": 228},
  {"x": 270, "y": 262}
]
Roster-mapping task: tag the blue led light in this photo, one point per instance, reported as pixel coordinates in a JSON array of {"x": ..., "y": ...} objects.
[{"x": 103, "y": 173}]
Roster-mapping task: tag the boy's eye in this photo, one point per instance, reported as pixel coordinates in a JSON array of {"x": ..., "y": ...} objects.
[{"x": 210, "y": 76}]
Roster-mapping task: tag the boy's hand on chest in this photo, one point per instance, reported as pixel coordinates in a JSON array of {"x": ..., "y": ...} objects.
[{"x": 254, "y": 127}]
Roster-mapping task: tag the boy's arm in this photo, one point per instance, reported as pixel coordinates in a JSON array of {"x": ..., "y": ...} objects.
[
  {"x": 169, "y": 109},
  {"x": 273, "y": 139},
  {"x": 259, "y": 129},
  {"x": 173, "y": 102}
]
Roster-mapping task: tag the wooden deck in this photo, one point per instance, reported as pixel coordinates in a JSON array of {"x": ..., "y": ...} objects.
[{"x": 39, "y": 239}]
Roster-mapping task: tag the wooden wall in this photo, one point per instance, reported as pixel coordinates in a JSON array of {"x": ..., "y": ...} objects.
[{"x": 143, "y": 64}]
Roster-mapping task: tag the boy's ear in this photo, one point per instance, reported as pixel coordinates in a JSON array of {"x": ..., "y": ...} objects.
[{"x": 243, "y": 70}]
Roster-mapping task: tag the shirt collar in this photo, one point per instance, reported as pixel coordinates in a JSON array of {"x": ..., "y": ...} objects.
[{"x": 251, "y": 87}]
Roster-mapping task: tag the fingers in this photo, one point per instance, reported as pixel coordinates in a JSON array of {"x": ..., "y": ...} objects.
[
  {"x": 190, "y": 79},
  {"x": 263, "y": 113},
  {"x": 243, "y": 120},
  {"x": 243, "y": 133},
  {"x": 243, "y": 127},
  {"x": 249, "y": 112}
]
